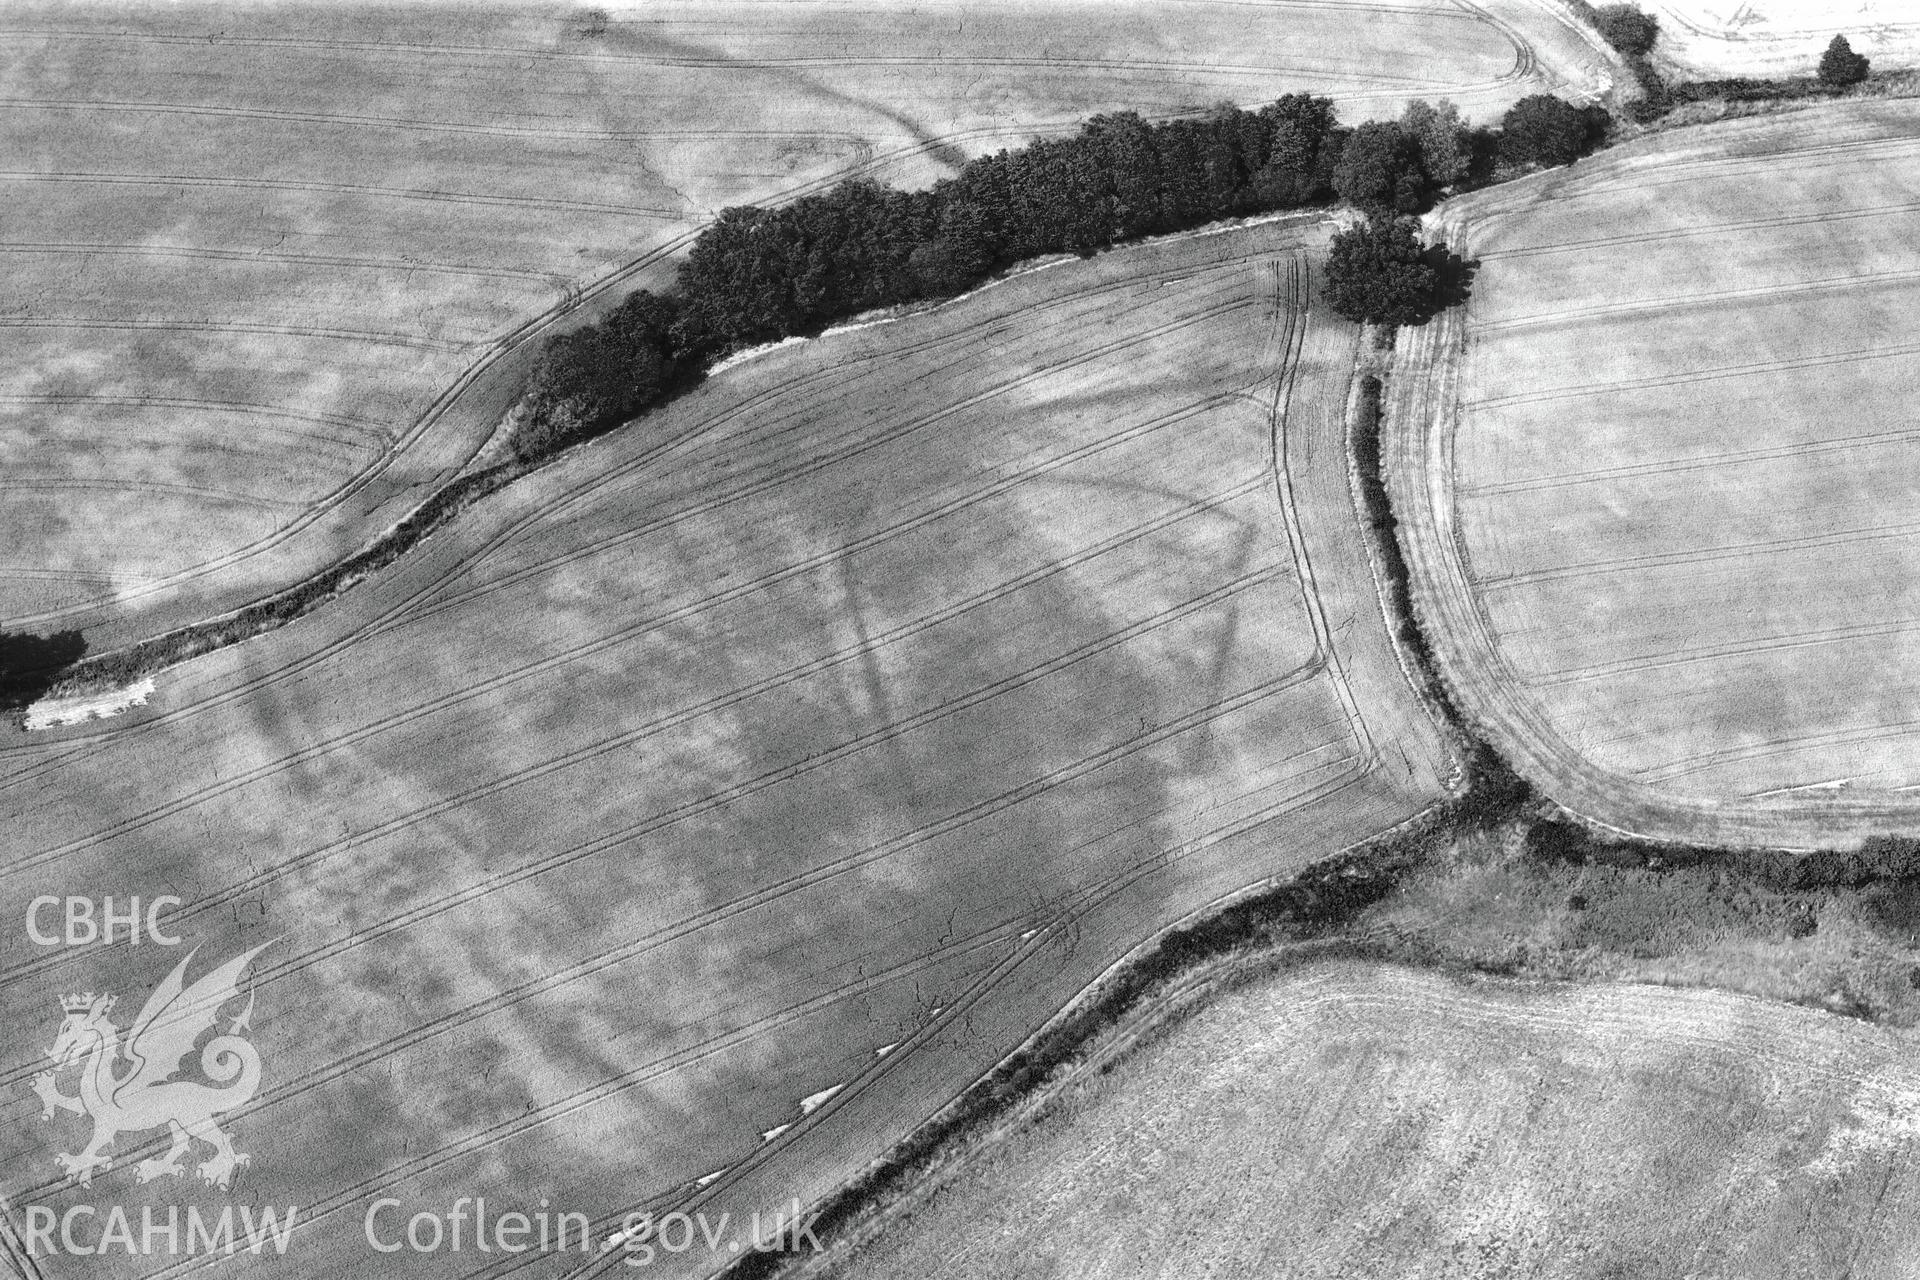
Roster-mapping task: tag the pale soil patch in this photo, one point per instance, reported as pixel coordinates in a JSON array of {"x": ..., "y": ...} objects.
[
  {"x": 54, "y": 713},
  {"x": 274, "y": 272},
  {"x": 1659, "y": 514},
  {"x": 829, "y": 729},
  {"x": 1711, "y": 39},
  {"x": 1348, "y": 1119}
]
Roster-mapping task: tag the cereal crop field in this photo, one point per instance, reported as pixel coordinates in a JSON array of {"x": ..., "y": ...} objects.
[
  {"x": 686, "y": 825},
  {"x": 1710, "y": 39}
]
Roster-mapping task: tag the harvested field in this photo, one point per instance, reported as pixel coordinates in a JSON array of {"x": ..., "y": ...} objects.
[
  {"x": 1414, "y": 1125},
  {"x": 1710, "y": 39},
  {"x": 1659, "y": 515},
  {"x": 274, "y": 272},
  {"x": 828, "y": 730}
]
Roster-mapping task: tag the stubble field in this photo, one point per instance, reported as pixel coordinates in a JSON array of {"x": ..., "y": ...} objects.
[
  {"x": 689, "y": 824},
  {"x": 1661, "y": 521},
  {"x": 1410, "y": 1124},
  {"x": 1715, "y": 38},
  {"x": 274, "y": 272}
]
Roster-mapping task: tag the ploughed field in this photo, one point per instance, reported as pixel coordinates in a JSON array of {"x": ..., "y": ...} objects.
[
  {"x": 1662, "y": 522},
  {"x": 690, "y": 822},
  {"x": 274, "y": 272},
  {"x": 1411, "y": 1124}
]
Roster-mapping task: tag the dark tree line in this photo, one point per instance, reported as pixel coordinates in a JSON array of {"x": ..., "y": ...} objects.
[
  {"x": 758, "y": 274},
  {"x": 761, "y": 274},
  {"x": 1394, "y": 167}
]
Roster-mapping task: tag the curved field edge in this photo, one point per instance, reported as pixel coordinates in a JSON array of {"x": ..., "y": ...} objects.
[
  {"x": 1423, "y": 414},
  {"x": 1252, "y": 933}
]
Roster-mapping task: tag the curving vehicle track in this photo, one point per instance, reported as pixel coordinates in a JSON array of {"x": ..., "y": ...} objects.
[
  {"x": 1662, "y": 540},
  {"x": 281, "y": 279}
]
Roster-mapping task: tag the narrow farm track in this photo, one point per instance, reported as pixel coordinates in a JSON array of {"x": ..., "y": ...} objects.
[
  {"x": 879, "y": 694},
  {"x": 1662, "y": 542},
  {"x": 293, "y": 173}
]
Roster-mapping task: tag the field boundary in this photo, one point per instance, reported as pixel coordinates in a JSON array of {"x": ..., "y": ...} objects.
[
  {"x": 1243, "y": 935},
  {"x": 1133, "y": 998}
]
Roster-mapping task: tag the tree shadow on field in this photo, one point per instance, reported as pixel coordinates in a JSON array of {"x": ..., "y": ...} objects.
[
  {"x": 1453, "y": 277},
  {"x": 30, "y": 664}
]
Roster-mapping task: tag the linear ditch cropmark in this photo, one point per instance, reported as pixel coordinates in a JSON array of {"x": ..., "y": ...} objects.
[
  {"x": 642, "y": 464},
  {"x": 867, "y": 162},
  {"x": 490, "y": 788},
  {"x": 1719, "y": 652},
  {"x": 787, "y": 773},
  {"x": 702, "y": 806},
  {"x": 102, "y": 739},
  {"x": 644, "y": 1073},
  {"x": 185, "y": 802},
  {"x": 692, "y": 609},
  {"x": 192, "y": 639},
  {"x": 1687, "y": 377},
  {"x": 1698, "y": 555},
  {"x": 1349, "y": 768},
  {"x": 1032, "y": 944}
]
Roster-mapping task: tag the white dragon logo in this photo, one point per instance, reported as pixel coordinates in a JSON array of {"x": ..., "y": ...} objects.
[{"x": 144, "y": 1095}]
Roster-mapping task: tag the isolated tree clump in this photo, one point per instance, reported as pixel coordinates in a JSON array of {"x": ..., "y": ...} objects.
[
  {"x": 1840, "y": 66},
  {"x": 1627, "y": 29},
  {"x": 1380, "y": 170},
  {"x": 1541, "y": 129},
  {"x": 1380, "y": 273}
]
